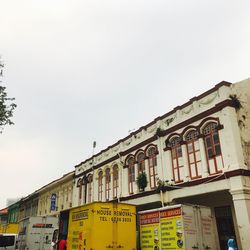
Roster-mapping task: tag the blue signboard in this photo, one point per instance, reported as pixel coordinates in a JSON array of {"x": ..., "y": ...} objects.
[{"x": 53, "y": 202}]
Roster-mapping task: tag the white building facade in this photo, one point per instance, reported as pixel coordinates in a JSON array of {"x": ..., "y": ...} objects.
[{"x": 200, "y": 151}]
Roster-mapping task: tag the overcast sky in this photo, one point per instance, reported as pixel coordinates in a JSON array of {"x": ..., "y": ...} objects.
[{"x": 84, "y": 71}]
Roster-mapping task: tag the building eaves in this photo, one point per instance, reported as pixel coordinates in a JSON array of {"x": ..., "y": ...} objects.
[{"x": 65, "y": 176}]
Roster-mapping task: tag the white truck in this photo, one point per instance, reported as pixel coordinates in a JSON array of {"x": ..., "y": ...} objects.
[
  {"x": 36, "y": 233},
  {"x": 8, "y": 241},
  {"x": 182, "y": 227}
]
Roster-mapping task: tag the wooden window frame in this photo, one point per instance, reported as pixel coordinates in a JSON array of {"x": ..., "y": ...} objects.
[
  {"x": 79, "y": 185},
  {"x": 191, "y": 142},
  {"x": 115, "y": 181},
  {"x": 131, "y": 174},
  {"x": 90, "y": 182},
  {"x": 210, "y": 134},
  {"x": 107, "y": 184},
  {"x": 175, "y": 150},
  {"x": 152, "y": 165},
  {"x": 141, "y": 162},
  {"x": 100, "y": 185}
]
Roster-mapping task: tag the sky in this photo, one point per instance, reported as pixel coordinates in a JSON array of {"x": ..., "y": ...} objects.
[{"x": 94, "y": 70}]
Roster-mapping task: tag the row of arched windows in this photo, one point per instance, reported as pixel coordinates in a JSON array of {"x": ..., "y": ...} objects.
[
  {"x": 209, "y": 137},
  {"x": 185, "y": 149},
  {"x": 107, "y": 183},
  {"x": 150, "y": 154}
]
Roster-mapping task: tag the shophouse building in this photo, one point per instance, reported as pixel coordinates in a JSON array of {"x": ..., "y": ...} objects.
[
  {"x": 28, "y": 206},
  {"x": 3, "y": 219},
  {"x": 56, "y": 196},
  {"x": 197, "y": 153},
  {"x": 48, "y": 200},
  {"x": 9, "y": 219}
]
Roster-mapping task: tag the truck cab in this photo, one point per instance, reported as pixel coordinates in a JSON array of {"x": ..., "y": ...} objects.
[{"x": 8, "y": 241}]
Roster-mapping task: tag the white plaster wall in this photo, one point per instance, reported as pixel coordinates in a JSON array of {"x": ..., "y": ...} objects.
[
  {"x": 242, "y": 91},
  {"x": 230, "y": 140},
  {"x": 204, "y": 188},
  {"x": 144, "y": 200}
]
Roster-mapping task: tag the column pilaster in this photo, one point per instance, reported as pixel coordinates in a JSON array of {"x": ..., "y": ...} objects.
[{"x": 241, "y": 199}]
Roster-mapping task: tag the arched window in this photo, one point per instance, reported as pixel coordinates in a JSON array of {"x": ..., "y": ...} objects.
[
  {"x": 90, "y": 184},
  {"x": 177, "y": 159},
  {"x": 194, "y": 156},
  {"x": 141, "y": 162},
  {"x": 131, "y": 174},
  {"x": 79, "y": 185},
  {"x": 107, "y": 183},
  {"x": 100, "y": 184},
  {"x": 213, "y": 149},
  {"x": 115, "y": 181},
  {"x": 152, "y": 163}
]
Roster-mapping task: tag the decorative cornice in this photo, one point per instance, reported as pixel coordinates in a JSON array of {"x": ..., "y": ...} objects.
[{"x": 240, "y": 191}]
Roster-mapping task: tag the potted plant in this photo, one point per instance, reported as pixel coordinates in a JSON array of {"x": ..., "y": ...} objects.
[
  {"x": 161, "y": 184},
  {"x": 142, "y": 181}
]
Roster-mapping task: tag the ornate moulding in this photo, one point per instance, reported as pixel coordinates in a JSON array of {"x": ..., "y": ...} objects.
[{"x": 209, "y": 99}]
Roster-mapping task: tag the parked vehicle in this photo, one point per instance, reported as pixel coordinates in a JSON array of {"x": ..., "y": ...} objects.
[
  {"x": 181, "y": 227},
  {"x": 99, "y": 225},
  {"x": 8, "y": 241},
  {"x": 36, "y": 233}
]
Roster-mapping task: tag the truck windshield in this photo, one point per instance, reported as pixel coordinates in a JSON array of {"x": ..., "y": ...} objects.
[{"x": 7, "y": 240}]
